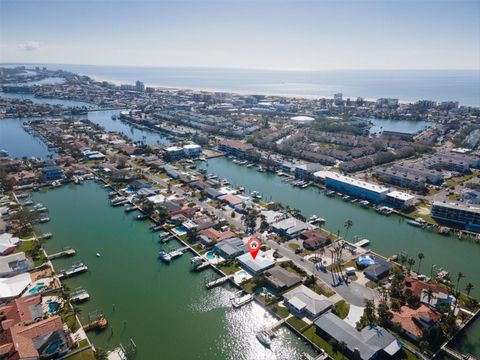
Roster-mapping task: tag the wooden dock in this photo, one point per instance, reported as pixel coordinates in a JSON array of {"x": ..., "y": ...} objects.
[
  {"x": 66, "y": 252},
  {"x": 218, "y": 282},
  {"x": 100, "y": 324},
  {"x": 458, "y": 355},
  {"x": 270, "y": 331}
]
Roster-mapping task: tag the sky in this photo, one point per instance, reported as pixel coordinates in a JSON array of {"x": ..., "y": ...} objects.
[{"x": 260, "y": 34}]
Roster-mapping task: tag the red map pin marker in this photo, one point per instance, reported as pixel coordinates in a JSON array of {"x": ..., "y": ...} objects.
[{"x": 254, "y": 246}]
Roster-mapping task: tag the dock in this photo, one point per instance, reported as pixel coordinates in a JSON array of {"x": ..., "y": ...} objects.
[
  {"x": 241, "y": 298},
  {"x": 362, "y": 243},
  {"x": 79, "y": 295},
  {"x": 75, "y": 269},
  {"x": 218, "y": 282},
  {"x": 66, "y": 252},
  {"x": 270, "y": 331},
  {"x": 458, "y": 355}
]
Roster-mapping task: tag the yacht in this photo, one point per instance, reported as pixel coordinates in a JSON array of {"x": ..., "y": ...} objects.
[
  {"x": 264, "y": 339},
  {"x": 164, "y": 256}
]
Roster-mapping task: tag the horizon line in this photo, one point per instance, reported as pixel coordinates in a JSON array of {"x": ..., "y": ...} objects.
[{"x": 239, "y": 68}]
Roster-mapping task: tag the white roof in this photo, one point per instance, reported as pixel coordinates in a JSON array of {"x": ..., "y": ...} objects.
[
  {"x": 400, "y": 195},
  {"x": 302, "y": 118},
  {"x": 356, "y": 182},
  {"x": 173, "y": 148},
  {"x": 13, "y": 286},
  {"x": 156, "y": 199},
  {"x": 7, "y": 241},
  {"x": 191, "y": 146}
]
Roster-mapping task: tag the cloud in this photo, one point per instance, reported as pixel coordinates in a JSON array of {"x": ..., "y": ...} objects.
[{"x": 30, "y": 46}]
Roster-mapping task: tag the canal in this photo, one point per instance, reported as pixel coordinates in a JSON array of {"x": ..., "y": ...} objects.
[
  {"x": 165, "y": 309},
  {"x": 388, "y": 234}
]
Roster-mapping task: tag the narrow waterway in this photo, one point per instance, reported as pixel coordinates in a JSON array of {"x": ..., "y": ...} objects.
[
  {"x": 388, "y": 234},
  {"x": 50, "y": 101},
  {"x": 165, "y": 309},
  {"x": 104, "y": 118}
]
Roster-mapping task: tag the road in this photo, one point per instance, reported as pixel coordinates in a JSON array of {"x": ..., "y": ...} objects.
[{"x": 352, "y": 293}]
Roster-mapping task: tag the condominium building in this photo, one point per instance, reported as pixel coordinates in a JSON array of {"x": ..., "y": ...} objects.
[{"x": 464, "y": 216}]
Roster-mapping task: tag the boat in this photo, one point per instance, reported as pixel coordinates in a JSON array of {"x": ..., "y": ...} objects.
[
  {"x": 112, "y": 193},
  {"x": 264, "y": 339},
  {"x": 416, "y": 223},
  {"x": 443, "y": 230},
  {"x": 75, "y": 269},
  {"x": 261, "y": 169},
  {"x": 119, "y": 200},
  {"x": 44, "y": 220},
  {"x": 97, "y": 254},
  {"x": 384, "y": 210},
  {"x": 238, "y": 300},
  {"x": 256, "y": 195},
  {"x": 364, "y": 203},
  {"x": 142, "y": 217},
  {"x": 225, "y": 182},
  {"x": 249, "y": 165},
  {"x": 164, "y": 256},
  {"x": 79, "y": 295}
]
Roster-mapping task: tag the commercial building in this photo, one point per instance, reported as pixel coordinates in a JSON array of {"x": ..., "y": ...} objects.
[
  {"x": 463, "y": 216},
  {"x": 400, "y": 199},
  {"x": 357, "y": 188}
]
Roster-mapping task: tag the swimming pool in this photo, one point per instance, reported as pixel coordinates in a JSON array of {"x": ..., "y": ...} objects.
[
  {"x": 242, "y": 273},
  {"x": 53, "y": 307},
  {"x": 210, "y": 255},
  {"x": 37, "y": 288},
  {"x": 53, "y": 347},
  {"x": 181, "y": 230}
]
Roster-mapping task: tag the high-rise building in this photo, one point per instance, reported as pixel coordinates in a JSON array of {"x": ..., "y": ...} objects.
[{"x": 140, "y": 86}]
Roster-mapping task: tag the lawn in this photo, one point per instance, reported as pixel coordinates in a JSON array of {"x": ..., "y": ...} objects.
[
  {"x": 459, "y": 179},
  {"x": 297, "y": 323},
  {"x": 229, "y": 268},
  {"x": 311, "y": 334},
  {"x": 341, "y": 309},
  {"x": 87, "y": 354},
  {"x": 281, "y": 311},
  {"x": 371, "y": 284}
]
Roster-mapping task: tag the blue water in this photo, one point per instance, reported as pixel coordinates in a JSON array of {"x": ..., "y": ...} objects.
[
  {"x": 35, "y": 100},
  {"x": 409, "y": 85}
]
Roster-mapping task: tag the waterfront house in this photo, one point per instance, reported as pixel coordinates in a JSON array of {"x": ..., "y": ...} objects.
[
  {"x": 8, "y": 243},
  {"x": 52, "y": 173},
  {"x": 440, "y": 299},
  {"x": 313, "y": 239},
  {"x": 281, "y": 279},
  {"x": 22, "y": 178},
  {"x": 12, "y": 287},
  {"x": 43, "y": 339},
  {"x": 136, "y": 185},
  {"x": 211, "y": 235},
  {"x": 257, "y": 265},
  {"x": 415, "y": 322},
  {"x": 372, "y": 342},
  {"x": 230, "y": 248},
  {"x": 303, "y": 302},
  {"x": 375, "y": 268},
  {"x": 14, "y": 264},
  {"x": 231, "y": 200},
  {"x": 212, "y": 193},
  {"x": 26, "y": 309},
  {"x": 290, "y": 227}
]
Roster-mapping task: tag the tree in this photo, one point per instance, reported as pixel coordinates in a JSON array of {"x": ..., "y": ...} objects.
[
  {"x": 347, "y": 225},
  {"x": 384, "y": 314},
  {"x": 423, "y": 346},
  {"x": 148, "y": 207},
  {"x": 460, "y": 276},
  {"x": 342, "y": 346},
  {"x": 25, "y": 219},
  {"x": 429, "y": 293},
  {"x": 411, "y": 262},
  {"x": 468, "y": 288},
  {"x": 421, "y": 256},
  {"x": 192, "y": 234},
  {"x": 250, "y": 220}
]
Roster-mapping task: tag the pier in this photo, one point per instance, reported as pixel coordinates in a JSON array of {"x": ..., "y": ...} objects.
[
  {"x": 218, "y": 282},
  {"x": 458, "y": 355},
  {"x": 79, "y": 295},
  {"x": 66, "y": 252},
  {"x": 96, "y": 321},
  {"x": 75, "y": 269},
  {"x": 270, "y": 331}
]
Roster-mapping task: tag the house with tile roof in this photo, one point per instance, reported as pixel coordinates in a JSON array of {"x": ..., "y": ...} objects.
[
  {"x": 22, "y": 310},
  {"x": 414, "y": 322}
]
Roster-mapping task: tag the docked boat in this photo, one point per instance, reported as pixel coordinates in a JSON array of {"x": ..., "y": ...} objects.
[
  {"x": 256, "y": 195},
  {"x": 264, "y": 339},
  {"x": 164, "y": 256},
  {"x": 142, "y": 217},
  {"x": 364, "y": 203},
  {"x": 418, "y": 222},
  {"x": 44, "y": 220},
  {"x": 329, "y": 193},
  {"x": 75, "y": 269},
  {"x": 261, "y": 169},
  {"x": 79, "y": 295},
  {"x": 384, "y": 210},
  {"x": 119, "y": 200},
  {"x": 240, "y": 298}
]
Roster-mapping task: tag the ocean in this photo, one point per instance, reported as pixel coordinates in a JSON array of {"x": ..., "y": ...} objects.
[{"x": 407, "y": 85}]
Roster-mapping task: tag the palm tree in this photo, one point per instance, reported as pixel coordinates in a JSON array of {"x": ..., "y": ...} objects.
[
  {"x": 342, "y": 345},
  {"x": 347, "y": 225},
  {"x": 421, "y": 256},
  {"x": 411, "y": 262},
  {"x": 468, "y": 288},
  {"x": 429, "y": 293},
  {"x": 460, "y": 276}
]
